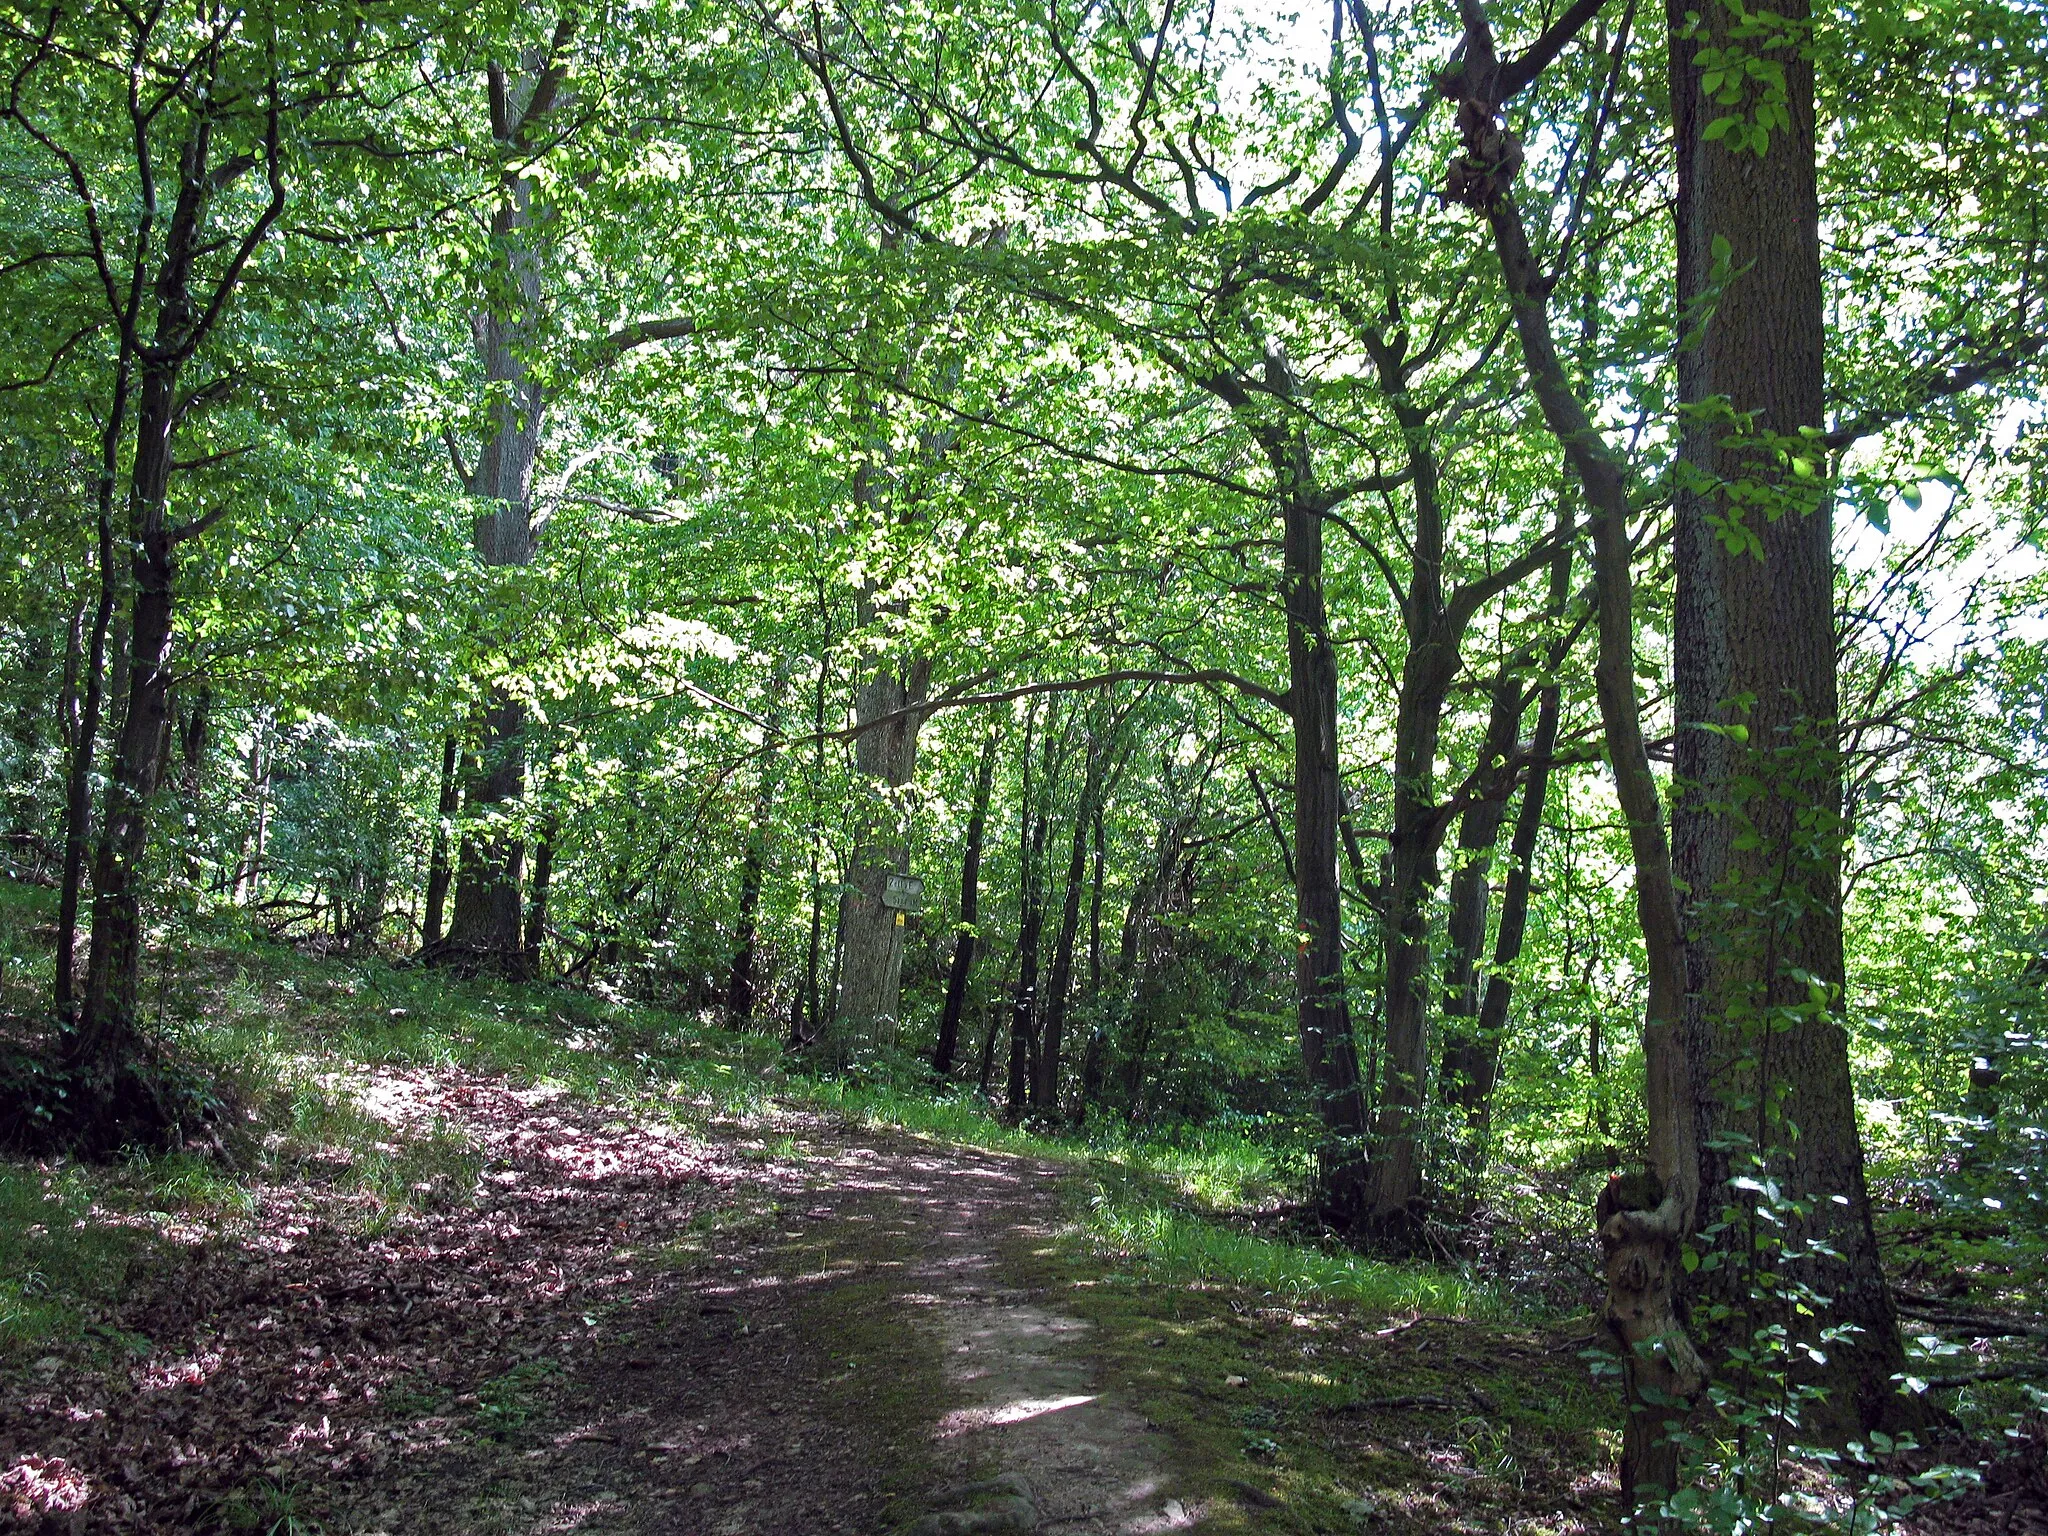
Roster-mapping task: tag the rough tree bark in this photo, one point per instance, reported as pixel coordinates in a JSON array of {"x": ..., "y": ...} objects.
[
  {"x": 1757, "y": 827},
  {"x": 871, "y": 935}
]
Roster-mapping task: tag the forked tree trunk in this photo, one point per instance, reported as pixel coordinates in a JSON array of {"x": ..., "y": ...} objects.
[
  {"x": 1758, "y": 831},
  {"x": 966, "y": 938},
  {"x": 1329, "y": 1053}
]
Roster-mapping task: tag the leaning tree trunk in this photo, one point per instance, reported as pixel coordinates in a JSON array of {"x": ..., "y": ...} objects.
[
  {"x": 1757, "y": 832},
  {"x": 1644, "y": 1219},
  {"x": 966, "y": 937}
]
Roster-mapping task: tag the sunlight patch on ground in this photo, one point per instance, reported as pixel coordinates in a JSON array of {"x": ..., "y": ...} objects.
[{"x": 961, "y": 1420}]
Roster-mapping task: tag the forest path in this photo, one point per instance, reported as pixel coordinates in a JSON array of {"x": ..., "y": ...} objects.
[
  {"x": 859, "y": 1337},
  {"x": 1053, "y": 1446},
  {"x": 916, "y": 1375}
]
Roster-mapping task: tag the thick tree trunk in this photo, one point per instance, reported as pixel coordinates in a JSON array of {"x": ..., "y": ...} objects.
[
  {"x": 871, "y": 931},
  {"x": 1757, "y": 832},
  {"x": 966, "y": 937},
  {"x": 439, "y": 871},
  {"x": 484, "y": 932}
]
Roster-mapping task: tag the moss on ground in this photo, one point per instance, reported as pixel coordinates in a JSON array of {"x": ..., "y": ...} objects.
[{"x": 1323, "y": 1416}]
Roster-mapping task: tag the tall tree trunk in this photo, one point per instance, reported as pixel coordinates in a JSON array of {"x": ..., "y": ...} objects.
[
  {"x": 484, "y": 932},
  {"x": 1643, "y": 1220},
  {"x": 1417, "y": 826},
  {"x": 85, "y": 732},
  {"x": 1098, "y": 1027},
  {"x": 108, "y": 1030},
  {"x": 438, "y": 863},
  {"x": 966, "y": 938},
  {"x": 1329, "y": 1054},
  {"x": 1757, "y": 832},
  {"x": 1045, "y": 1082},
  {"x": 1030, "y": 924}
]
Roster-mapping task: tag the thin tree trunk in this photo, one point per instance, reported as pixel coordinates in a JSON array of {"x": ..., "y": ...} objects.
[
  {"x": 1045, "y": 1083},
  {"x": 966, "y": 937},
  {"x": 86, "y": 732},
  {"x": 1030, "y": 923},
  {"x": 439, "y": 871},
  {"x": 1463, "y": 1078},
  {"x": 108, "y": 1026},
  {"x": 1514, "y": 918},
  {"x": 537, "y": 902}
]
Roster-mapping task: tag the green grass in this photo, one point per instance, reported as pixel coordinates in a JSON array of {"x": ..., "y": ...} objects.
[{"x": 1172, "y": 1246}]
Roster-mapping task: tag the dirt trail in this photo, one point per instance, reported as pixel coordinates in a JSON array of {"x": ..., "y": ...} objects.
[
  {"x": 1034, "y": 1438},
  {"x": 872, "y": 1366},
  {"x": 630, "y": 1328}
]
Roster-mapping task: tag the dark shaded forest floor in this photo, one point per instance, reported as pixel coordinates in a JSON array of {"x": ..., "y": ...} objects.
[{"x": 505, "y": 1261}]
